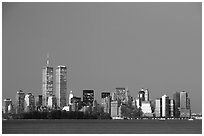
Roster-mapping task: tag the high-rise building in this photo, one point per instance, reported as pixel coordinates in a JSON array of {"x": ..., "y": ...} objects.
[
  {"x": 7, "y": 106},
  {"x": 146, "y": 109},
  {"x": 165, "y": 106},
  {"x": 105, "y": 94},
  {"x": 75, "y": 103},
  {"x": 29, "y": 102},
  {"x": 52, "y": 102},
  {"x": 88, "y": 97},
  {"x": 106, "y": 104},
  {"x": 122, "y": 95},
  {"x": 71, "y": 95},
  {"x": 39, "y": 101},
  {"x": 61, "y": 86},
  {"x": 158, "y": 107},
  {"x": 146, "y": 94},
  {"x": 172, "y": 108},
  {"x": 141, "y": 96},
  {"x": 20, "y": 101},
  {"x": 47, "y": 82},
  {"x": 184, "y": 105},
  {"x": 113, "y": 96},
  {"x": 114, "y": 109},
  {"x": 176, "y": 98}
]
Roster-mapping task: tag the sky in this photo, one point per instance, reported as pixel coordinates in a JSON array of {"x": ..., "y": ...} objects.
[{"x": 104, "y": 45}]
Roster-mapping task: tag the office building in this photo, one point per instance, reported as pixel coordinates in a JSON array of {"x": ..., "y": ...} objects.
[
  {"x": 29, "y": 102},
  {"x": 105, "y": 94},
  {"x": 158, "y": 107},
  {"x": 106, "y": 104},
  {"x": 165, "y": 106},
  {"x": 47, "y": 83},
  {"x": 20, "y": 96},
  {"x": 52, "y": 102},
  {"x": 113, "y": 96},
  {"x": 114, "y": 109},
  {"x": 71, "y": 95},
  {"x": 184, "y": 105},
  {"x": 8, "y": 107},
  {"x": 39, "y": 101},
  {"x": 76, "y": 103},
  {"x": 141, "y": 96},
  {"x": 172, "y": 108},
  {"x": 122, "y": 95},
  {"x": 176, "y": 98},
  {"x": 146, "y": 109},
  {"x": 61, "y": 86},
  {"x": 88, "y": 97},
  {"x": 146, "y": 94}
]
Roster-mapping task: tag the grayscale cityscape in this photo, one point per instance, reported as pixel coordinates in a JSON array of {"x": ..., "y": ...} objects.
[
  {"x": 101, "y": 68},
  {"x": 118, "y": 104}
]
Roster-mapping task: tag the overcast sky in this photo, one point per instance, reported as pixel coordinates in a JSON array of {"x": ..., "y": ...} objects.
[{"x": 104, "y": 45}]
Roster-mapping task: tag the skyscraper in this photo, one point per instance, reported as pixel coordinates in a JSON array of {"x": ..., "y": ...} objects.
[
  {"x": 88, "y": 97},
  {"x": 165, "y": 106},
  {"x": 141, "y": 96},
  {"x": 70, "y": 97},
  {"x": 172, "y": 108},
  {"x": 7, "y": 106},
  {"x": 158, "y": 107},
  {"x": 29, "y": 102},
  {"x": 146, "y": 95},
  {"x": 61, "y": 86},
  {"x": 122, "y": 94},
  {"x": 184, "y": 104},
  {"x": 52, "y": 102},
  {"x": 47, "y": 82},
  {"x": 20, "y": 101},
  {"x": 176, "y": 98},
  {"x": 106, "y": 104}
]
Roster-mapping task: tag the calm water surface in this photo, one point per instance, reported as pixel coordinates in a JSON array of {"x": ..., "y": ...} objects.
[{"x": 101, "y": 127}]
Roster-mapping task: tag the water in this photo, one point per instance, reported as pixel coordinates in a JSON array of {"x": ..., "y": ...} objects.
[{"x": 101, "y": 127}]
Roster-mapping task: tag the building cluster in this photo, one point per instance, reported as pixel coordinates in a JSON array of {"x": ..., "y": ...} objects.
[{"x": 111, "y": 103}]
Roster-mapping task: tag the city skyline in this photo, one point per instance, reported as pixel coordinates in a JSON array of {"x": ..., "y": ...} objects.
[{"x": 104, "y": 46}]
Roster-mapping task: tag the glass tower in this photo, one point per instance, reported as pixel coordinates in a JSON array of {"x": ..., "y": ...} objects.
[
  {"x": 47, "y": 83},
  {"x": 61, "y": 86}
]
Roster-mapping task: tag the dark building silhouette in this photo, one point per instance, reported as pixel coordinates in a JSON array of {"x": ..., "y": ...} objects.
[
  {"x": 105, "y": 94},
  {"x": 141, "y": 96},
  {"x": 176, "y": 98},
  {"x": 88, "y": 97}
]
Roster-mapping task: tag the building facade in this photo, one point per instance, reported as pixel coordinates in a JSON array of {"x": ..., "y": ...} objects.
[
  {"x": 105, "y": 94},
  {"x": 76, "y": 103},
  {"x": 88, "y": 97},
  {"x": 47, "y": 83},
  {"x": 106, "y": 104},
  {"x": 8, "y": 106},
  {"x": 122, "y": 95},
  {"x": 146, "y": 109},
  {"x": 61, "y": 86},
  {"x": 176, "y": 98},
  {"x": 52, "y": 102},
  {"x": 146, "y": 94},
  {"x": 158, "y": 107},
  {"x": 29, "y": 102},
  {"x": 165, "y": 106},
  {"x": 20, "y": 96},
  {"x": 141, "y": 96},
  {"x": 172, "y": 108},
  {"x": 184, "y": 105}
]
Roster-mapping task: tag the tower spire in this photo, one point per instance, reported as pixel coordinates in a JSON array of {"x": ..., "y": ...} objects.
[{"x": 47, "y": 59}]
